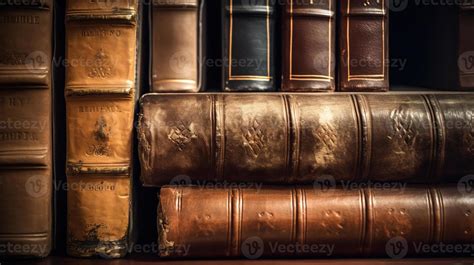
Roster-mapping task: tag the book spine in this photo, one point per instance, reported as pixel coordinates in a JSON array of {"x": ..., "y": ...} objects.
[
  {"x": 177, "y": 45},
  {"x": 299, "y": 138},
  {"x": 101, "y": 87},
  {"x": 466, "y": 46},
  {"x": 309, "y": 46},
  {"x": 26, "y": 128},
  {"x": 289, "y": 222},
  {"x": 248, "y": 30},
  {"x": 364, "y": 46}
]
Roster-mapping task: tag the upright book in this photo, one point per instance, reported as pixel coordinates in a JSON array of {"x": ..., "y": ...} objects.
[
  {"x": 300, "y": 138},
  {"x": 304, "y": 221},
  {"x": 101, "y": 88},
  {"x": 248, "y": 47},
  {"x": 309, "y": 48},
  {"x": 177, "y": 46},
  {"x": 363, "y": 44},
  {"x": 26, "y": 173}
]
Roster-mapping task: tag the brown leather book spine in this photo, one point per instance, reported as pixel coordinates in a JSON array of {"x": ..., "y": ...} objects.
[
  {"x": 101, "y": 88},
  {"x": 26, "y": 128},
  {"x": 290, "y": 222},
  {"x": 177, "y": 45},
  {"x": 363, "y": 42},
  {"x": 300, "y": 137},
  {"x": 466, "y": 45},
  {"x": 309, "y": 36}
]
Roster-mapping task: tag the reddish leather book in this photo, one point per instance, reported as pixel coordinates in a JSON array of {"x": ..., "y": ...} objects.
[
  {"x": 297, "y": 138},
  {"x": 306, "y": 221},
  {"x": 308, "y": 47},
  {"x": 363, "y": 41}
]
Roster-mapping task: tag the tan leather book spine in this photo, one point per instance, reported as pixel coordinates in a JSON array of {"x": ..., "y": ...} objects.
[
  {"x": 301, "y": 137},
  {"x": 304, "y": 221},
  {"x": 101, "y": 79},
  {"x": 363, "y": 44},
  {"x": 177, "y": 45},
  {"x": 26, "y": 177},
  {"x": 309, "y": 46}
]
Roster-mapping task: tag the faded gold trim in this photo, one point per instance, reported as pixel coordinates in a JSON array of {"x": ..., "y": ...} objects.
[
  {"x": 327, "y": 77},
  {"x": 374, "y": 77},
  {"x": 231, "y": 25},
  {"x": 175, "y": 81},
  {"x": 250, "y": 77}
]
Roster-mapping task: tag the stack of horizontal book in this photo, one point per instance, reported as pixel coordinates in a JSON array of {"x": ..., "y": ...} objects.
[{"x": 273, "y": 165}]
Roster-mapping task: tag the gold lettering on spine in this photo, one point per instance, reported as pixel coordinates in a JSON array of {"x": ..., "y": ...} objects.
[{"x": 23, "y": 19}]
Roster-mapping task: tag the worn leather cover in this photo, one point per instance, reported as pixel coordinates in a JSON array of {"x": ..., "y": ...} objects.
[
  {"x": 101, "y": 86},
  {"x": 177, "y": 45},
  {"x": 363, "y": 44},
  {"x": 250, "y": 222},
  {"x": 248, "y": 29},
  {"x": 26, "y": 128},
  {"x": 309, "y": 46},
  {"x": 298, "y": 138}
]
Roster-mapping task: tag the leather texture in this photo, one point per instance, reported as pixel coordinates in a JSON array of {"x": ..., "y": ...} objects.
[
  {"x": 101, "y": 89},
  {"x": 309, "y": 46},
  {"x": 248, "y": 32},
  {"x": 177, "y": 45},
  {"x": 299, "y": 138},
  {"x": 26, "y": 176},
  {"x": 363, "y": 42},
  {"x": 250, "y": 222}
]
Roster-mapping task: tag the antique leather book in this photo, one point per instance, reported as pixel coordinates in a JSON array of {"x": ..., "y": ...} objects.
[
  {"x": 301, "y": 137},
  {"x": 248, "y": 29},
  {"x": 26, "y": 173},
  {"x": 177, "y": 45},
  {"x": 308, "y": 47},
  {"x": 304, "y": 221},
  {"x": 101, "y": 88},
  {"x": 363, "y": 44}
]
